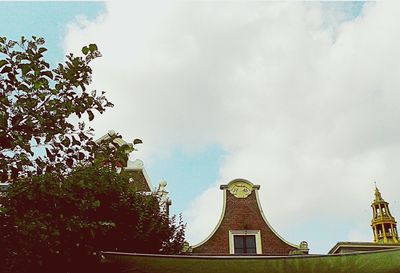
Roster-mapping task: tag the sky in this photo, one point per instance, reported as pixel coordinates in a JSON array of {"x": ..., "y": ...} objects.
[{"x": 299, "y": 97}]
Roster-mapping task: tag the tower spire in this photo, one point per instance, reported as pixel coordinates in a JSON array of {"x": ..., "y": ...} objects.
[{"x": 383, "y": 223}]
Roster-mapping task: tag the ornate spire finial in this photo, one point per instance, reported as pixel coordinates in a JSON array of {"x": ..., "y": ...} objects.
[
  {"x": 378, "y": 196},
  {"x": 383, "y": 223}
]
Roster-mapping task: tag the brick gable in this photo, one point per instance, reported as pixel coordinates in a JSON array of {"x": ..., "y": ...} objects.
[{"x": 243, "y": 214}]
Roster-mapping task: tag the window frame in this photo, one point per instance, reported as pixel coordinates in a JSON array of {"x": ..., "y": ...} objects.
[{"x": 233, "y": 233}]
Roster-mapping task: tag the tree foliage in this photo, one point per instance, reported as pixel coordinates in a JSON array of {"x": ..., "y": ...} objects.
[
  {"x": 61, "y": 224},
  {"x": 36, "y": 107},
  {"x": 66, "y": 206}
]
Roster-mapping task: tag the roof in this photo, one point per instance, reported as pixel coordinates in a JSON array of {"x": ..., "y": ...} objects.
[
  {"x": 109, "y": 134},
  {"x": 361, "y": 246},
  {"x": 384, "y": 261},
  {"x": 139, "y": 173},
  {"x": 135, "y": 168}
]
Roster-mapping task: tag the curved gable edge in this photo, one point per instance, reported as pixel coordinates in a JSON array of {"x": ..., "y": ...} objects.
[
  {"x": 269, "y": 225},
  {"x": 218, "y": 224},
  {"x": 256, "y": 187}
]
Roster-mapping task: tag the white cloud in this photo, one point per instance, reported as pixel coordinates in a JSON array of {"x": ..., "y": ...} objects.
[{"x": 303, "y": 102}]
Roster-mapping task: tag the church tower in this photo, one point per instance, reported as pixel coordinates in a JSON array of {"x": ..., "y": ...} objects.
[{"x": 383, "y": 223}]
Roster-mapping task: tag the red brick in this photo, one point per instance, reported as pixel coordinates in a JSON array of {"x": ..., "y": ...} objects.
[{"x": 243, "y": 214}]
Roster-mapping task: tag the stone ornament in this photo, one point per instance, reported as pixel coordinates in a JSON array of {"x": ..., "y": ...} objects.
[
  {"x": 303, "y": 245},
  {"x": 240, "y": 189}
]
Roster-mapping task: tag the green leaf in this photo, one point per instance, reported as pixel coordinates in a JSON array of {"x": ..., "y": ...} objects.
[
  {"x": 85, "y": 50},
  {"x": 66, "y": 141},
  {"x": 93, "y": 47},
  {"x": 25, "y": 68},
  {"x": 42, "y": 49},
  {"x": 75, "y": 141},
  {"x": 91, "y": 116},
  {"x": 2, "y": 62},
  {"x": 3, "y": 120},
  {"x": 96, "y": 203},
  {"x": 48, "y": 73},
  {"x": 37, "y": 85}
]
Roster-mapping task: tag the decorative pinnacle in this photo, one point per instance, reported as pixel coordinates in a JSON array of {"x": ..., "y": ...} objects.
[
  {"x": 378, "y": 196},
  {"x": 162, "y": 185}
]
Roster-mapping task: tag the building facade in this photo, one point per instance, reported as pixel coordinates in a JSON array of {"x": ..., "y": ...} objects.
[
  {"x": 243, "y": 228},
  {"x": 137, "y": 172}
]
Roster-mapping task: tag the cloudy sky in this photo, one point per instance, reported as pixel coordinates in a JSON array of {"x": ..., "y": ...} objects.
[{"x": 301, "y": 98}]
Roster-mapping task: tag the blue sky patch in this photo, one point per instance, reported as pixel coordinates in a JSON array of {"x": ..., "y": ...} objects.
[{"x": 44, "y": 19}]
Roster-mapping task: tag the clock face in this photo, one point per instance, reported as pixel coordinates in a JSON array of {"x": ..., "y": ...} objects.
[{"x": 240, "y": 189}]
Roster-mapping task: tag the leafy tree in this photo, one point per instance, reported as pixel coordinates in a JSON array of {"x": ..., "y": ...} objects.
[
  {"x": 36, "y": 107},
  {"x": 54, "y": 224},
  {"x": 65, "y": 207}
]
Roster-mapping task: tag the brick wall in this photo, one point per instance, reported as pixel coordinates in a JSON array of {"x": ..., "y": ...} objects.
[
  {"x": 139, "y": 181},
  {"x": 243, "y": 214}
]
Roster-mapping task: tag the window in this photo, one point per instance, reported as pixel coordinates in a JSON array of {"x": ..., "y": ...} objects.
[{"x": 244, "y": 242}]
